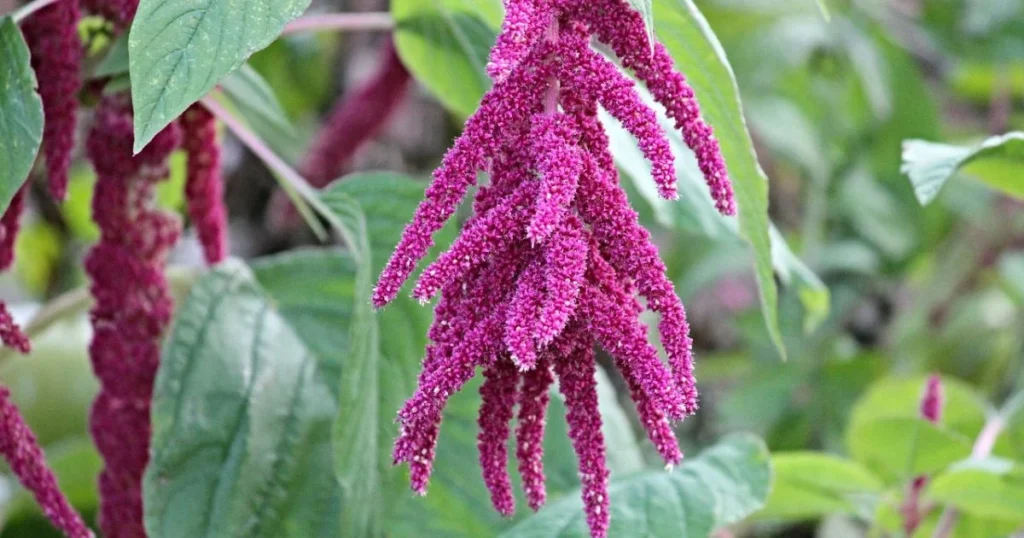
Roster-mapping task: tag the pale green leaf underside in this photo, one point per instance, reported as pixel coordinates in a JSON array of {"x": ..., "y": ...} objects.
[
  {"x": 445, "y": 44},
  {"x": 723, "y": 485},
  {"x": 996, "y": 162},
  {"x": 810, "y": 485},
  {"x": 242, "y": 411},
  {"x": 21, "y": 112},
  {"x": 180, "y": 49}
]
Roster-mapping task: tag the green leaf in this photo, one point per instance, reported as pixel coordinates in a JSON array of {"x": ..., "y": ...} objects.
[
  {"x": 886, "y": 432},
  {"x": 809, "y": 485},
  {"x": 241, "y": 421},
  {"x": 116, "y": 60},
  {"x": 725, "y": 484},
  {"x": 646, "y": 10},
  {"x": 179, "y": 50},
  {"x": 997, "y": 162},
  {"x": 255, "y": 99},
  {"x": 21, "y": 112},
  {"x": 697, "y": 52},
  {"x": 991, "y": 488},
  {"x": 445, "y": 45},
  {"x": 381, "y": 372}
]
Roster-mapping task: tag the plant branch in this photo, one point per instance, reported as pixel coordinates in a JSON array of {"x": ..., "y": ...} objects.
[
  {"x": 292, "y": 179},
  {"x": 983, "y": 446},
  {"x": 350, "y": 22},
  {"x": 30, "y": 8}
]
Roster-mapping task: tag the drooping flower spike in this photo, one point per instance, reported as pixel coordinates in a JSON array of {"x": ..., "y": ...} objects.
[
  {"x": 204, "y": 186},
  {"x": 133, "y": 304},
  {"x": 553, "y": 259},
  {"x": 52, "y": 37},
  {"x": 22, "y": 451}
]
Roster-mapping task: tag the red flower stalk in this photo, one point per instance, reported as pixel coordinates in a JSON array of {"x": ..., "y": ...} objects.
[
  {"x": 10, "y": 334},
  {"x": 553, "y": 259},
  {"x": 355, "y": 120},
  {"x": 931, "y": 410},
  {"x": 10, "y": 223},
  {"x": 52, "y": 37},
  {"x": 21, "y": 450},
  {"x": 133, "y": 305},
  {"x": 204, "y": 186}
]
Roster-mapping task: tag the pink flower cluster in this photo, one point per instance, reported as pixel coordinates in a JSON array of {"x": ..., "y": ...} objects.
[
  {"x": 133, "y": 304},
  {"x": 21, "y": 450},
  {"x": 553, "y": 259}
]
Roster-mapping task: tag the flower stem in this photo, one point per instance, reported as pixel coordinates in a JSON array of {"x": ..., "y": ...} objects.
[
  {"x": 982, "y": 448},
  {"x": 30, "y": 8},
  {"x": 345, "y": 22},
  {"x": 291, "y": 178}
]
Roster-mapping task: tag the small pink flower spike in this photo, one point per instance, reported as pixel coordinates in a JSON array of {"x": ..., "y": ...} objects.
[
  {"x": 52, "y": 37},
  {"x": 10, "y": 334},
  {"x": 498, "y": 395},
  {"x": 623, "y": 29},
  {"x": 523, "y": 26},
  {"x": 587, "y": 74},
  {"x": 566, "y": 258},
  {"x": 932, "y": 401},
  {"x": 21, "y": 450},
  {"x": 503, "y": 111},
  {"x": 559, "y": 163},
  {"x": 10, "y": 224},
  {"x": 492, "y": 232},
  {"x": 533, "y": 404},
  {"x": 579, "y": 386},
  {"x": 204, "y": 186},
  {"x": 523, "y": 316},
  {"x": 629, "y": 248}
]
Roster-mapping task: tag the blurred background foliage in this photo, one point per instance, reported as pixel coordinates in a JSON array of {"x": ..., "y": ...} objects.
[{"x": 885, "y": 290}]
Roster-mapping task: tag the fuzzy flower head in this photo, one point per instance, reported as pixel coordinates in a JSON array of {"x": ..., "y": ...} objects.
[{"x": 553, "y": 261}]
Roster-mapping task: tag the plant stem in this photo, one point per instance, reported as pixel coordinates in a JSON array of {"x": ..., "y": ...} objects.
[
  {"x": 351, "y": 22},
  {"x": 30, "y": 8},
  {"x": 79, "y": 300},
  {"x": 983, "y": 446},
  {"x": 284, "y": 171}
]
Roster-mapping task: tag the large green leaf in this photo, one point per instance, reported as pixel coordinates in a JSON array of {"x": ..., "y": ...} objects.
[
  {"x": 445, "y": 44},
  {"x": 723, "y": 485},
  {"x": 997, "y": 162},
  {"x": 180, "y": 49},
  {"x": 991, "y": 488},
  {"x": 21, "y": 112},
  {"x": 886, "y": 433},
  {"x": 242, "y": 415},
  {"x": 810, "y": 485},
  {"x": 697, "y": 52},
  {"x": 386, "y": 346}
]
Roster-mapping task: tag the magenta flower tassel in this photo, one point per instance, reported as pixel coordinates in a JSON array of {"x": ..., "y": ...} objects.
[
  {"x": 21, "y": 450},
  {"x": 577, "y": 382},
  {"x": 498, "y": 394},
  {"x": 533, "y": 404},
  {"x": 10, "y": 224},
  {"x": 10, "y": 334},
  {"x": 204, "y": 186},
  {"x": 52, "y": 37},
  {"x": 133, "y": 305},
  {"x": 551, "y": 261}
]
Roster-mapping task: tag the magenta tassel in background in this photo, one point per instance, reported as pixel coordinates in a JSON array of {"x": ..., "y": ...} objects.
[
  {"x": 553, "y": 259},
  {"x": 52, "y": 37},
  {"x": 22, "y": 452},
  {"x": 133, "y": 305},
  {"x": 204, "y": 186}
]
